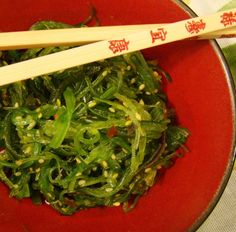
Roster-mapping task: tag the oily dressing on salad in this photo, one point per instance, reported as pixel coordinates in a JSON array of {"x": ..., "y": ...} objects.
[{"x": 95, "y": 135}]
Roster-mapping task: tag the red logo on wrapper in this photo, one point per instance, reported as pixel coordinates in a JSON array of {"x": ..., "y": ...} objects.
[
  {"x": 118, "y": 45},
  {"x": 228, "y": 19},
  {"x": 194, "y": 27},
  {"x": 160, "y": 34}
]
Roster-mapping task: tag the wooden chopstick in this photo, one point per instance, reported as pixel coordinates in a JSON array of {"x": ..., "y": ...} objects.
[
  {"x": 85, "y": 35},
  {"x": 117, "y": 46}
]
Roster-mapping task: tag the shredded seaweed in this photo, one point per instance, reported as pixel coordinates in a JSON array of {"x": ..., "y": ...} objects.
[{"x": 94, "y": 135}]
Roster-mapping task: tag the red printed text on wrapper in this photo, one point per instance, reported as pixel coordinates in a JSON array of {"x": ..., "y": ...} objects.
[
  {"x": 118, "y": 45},
  {"x": 159, "y": 34},
  {"x": 228, "y": 36},
  {"x": 228, "y": 18},
  {"x": 194, "y": 27}
]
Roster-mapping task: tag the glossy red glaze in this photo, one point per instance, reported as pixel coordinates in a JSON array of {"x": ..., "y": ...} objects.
[{"x": 202, "y": 97}]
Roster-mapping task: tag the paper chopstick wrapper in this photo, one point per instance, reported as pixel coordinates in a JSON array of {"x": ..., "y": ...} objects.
[
  {"x": 156, "y": 36},
  {"x": 84, "y": 35}
]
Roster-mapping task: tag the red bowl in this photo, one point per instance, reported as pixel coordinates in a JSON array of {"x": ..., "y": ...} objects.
[{"x": 202, "y": 93}]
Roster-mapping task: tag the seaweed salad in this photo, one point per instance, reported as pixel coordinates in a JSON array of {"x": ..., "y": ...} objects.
[{"x": 95, "y": 135}]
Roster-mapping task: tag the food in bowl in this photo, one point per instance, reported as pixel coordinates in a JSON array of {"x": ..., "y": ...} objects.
[{"x": 94, "y": 135}]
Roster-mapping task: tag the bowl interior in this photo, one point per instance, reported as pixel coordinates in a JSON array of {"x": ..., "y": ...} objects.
[{"x": 202, "y": 96}]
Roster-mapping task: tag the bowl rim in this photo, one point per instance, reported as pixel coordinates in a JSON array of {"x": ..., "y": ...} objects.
[{"x": 232, "y": 157}]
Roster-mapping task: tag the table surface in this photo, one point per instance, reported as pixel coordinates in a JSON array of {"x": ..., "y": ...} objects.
[{"x": 223, "y": 217}]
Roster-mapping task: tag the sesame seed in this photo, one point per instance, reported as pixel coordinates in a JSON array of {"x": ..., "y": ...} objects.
[
  {"x": 105, "y": 173},
  {"x": 124, "y": 104},
  {"x": 116, "y": 203},
  {"x": 18, "y": 118},
  {"x": 28, "y": 149},
  {"x": 40, "y": 115},
  {"x": 141, "y": 87},
  {"x": 109, "y": 190},
  {"x": 186, "y": 133},
  {"x": 77, "y": 160},
  {"x": 138, "y": 116},
  {"x": 112, "y": 110},
  {"x": 64, "y": 209},
  {"x": 78, "y": 174},
  {"x": 104, "y": 164},
  {"x": 148, "y": 93},
  {"x": 113, "y": 157},
  {"x": 47, "y": 202},
  {"x": 92, "y": 104},
  {"x": 16, "y": 105},
  {"x": 18, "y": 174},
  {"x": 94, "y": 168},
  {"x": 124, "y": 150},
  {"x": 16, "y": 186},
  {"x": 128, "y": 123},
  {"x": 82, "y": 182},
  {"x": 50, "y": 195},
  {"x": 37, "y": 170},
  {"x": 19, "y": 162},
  {"x": 105, "y": 73},
  {"x": 141, "y": 102},
  {"x": 115, "y": 175},
  {"x": 133, "y": 80},
  {"x": 156, "y": 91},
  {"x": 59, "y": 203},
  {"x": 31, "y": 125},
  {"x": 58, "y": 102},
  {"x": 148, "y": 170},
  {"x": 128, "y": 67},
  {"x": 41, "y": 161},
  {"x": 155, "y": 74}
]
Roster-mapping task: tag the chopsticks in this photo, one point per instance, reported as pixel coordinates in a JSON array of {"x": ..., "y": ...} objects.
[
  {"x": 84, "y": 35},
  {"x": 146, "y": 38}
]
